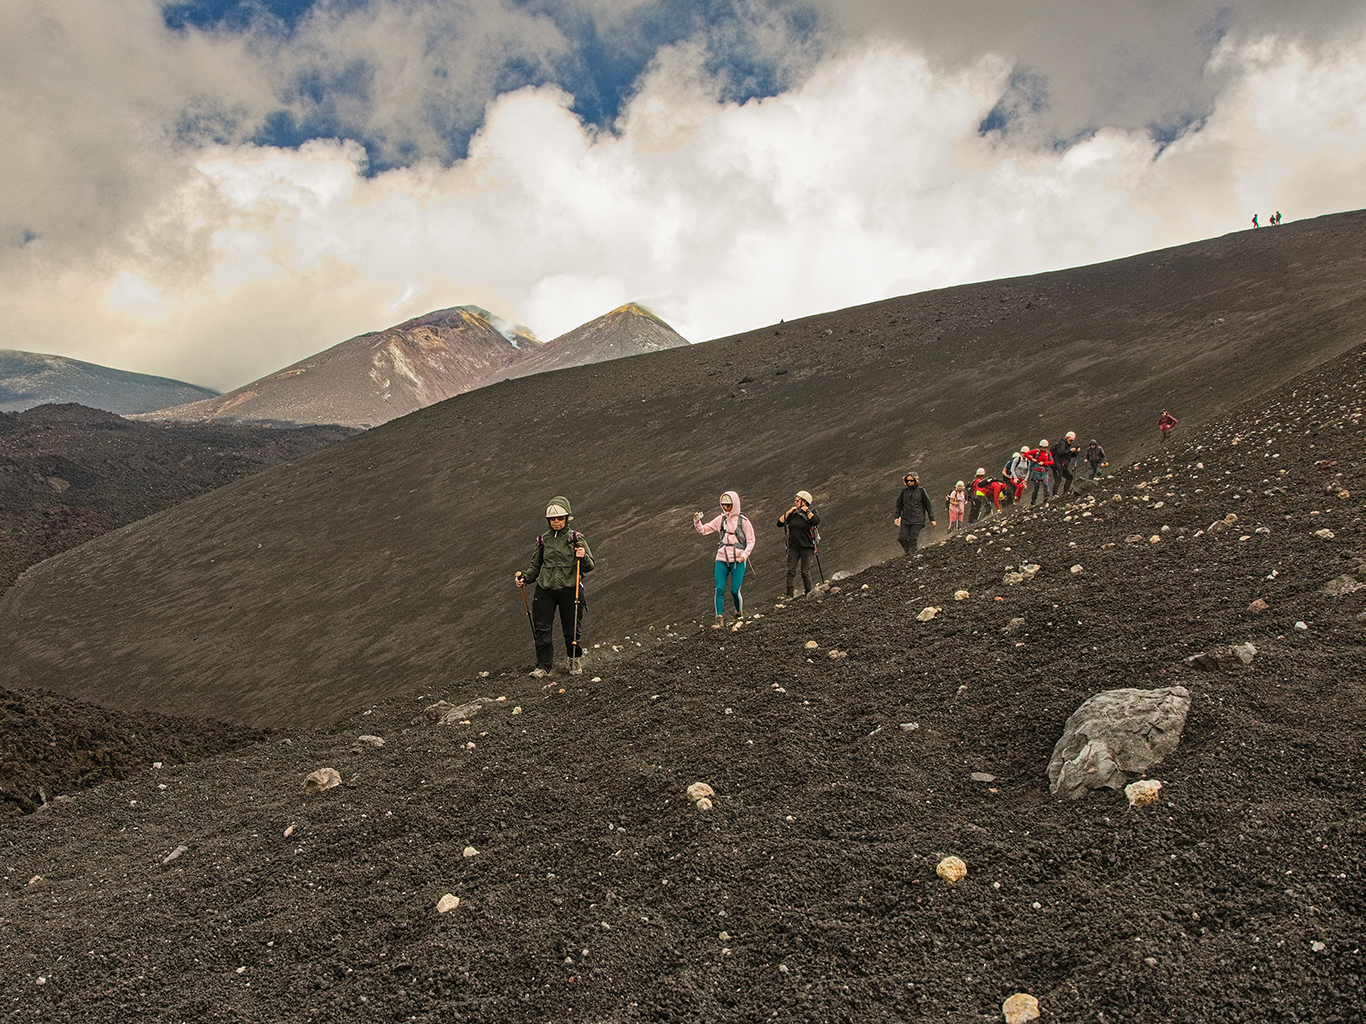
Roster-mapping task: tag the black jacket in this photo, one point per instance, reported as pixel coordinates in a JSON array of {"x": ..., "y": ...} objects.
[
  {"x": 913, "y": 506},
  {"x": 801, "y": 528},
  {"x": 1064, "y": 452}
]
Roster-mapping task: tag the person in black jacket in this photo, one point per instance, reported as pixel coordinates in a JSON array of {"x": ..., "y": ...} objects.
[
  {"x": 1095, "y": 458},
  {"x": 913, "y": 508},
  {"x": 800, "y": 522},
  {"x": 1065, "y": 454}
]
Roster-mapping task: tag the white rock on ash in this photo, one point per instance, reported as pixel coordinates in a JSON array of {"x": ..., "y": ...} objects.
[
  {"x": 322, "y": 779},
  {"x": 1020, "y": 1008},
  {"x": 447, "y": 903},
  {"x": 951, "y": 869},
  {"x": 1143, "y": 792}
]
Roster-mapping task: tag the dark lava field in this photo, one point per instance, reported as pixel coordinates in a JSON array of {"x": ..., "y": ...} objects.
[
  {"x": 204, "y": 883},
  {"x": 69, "y": 473}
]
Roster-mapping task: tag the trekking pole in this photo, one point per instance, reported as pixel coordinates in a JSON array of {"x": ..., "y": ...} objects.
[
  {"x": 817, "y": 553},
  {"x": 530, "y": 623},
  {"x": 574, "y": 667}
]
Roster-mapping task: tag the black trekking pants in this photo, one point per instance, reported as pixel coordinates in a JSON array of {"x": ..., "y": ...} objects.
[
  {"x": 1062, "y": 479},
  {"x": 543, "y": 606},
  {"x": 798, "y": 556},
  {"x": 909, "y": 535}
]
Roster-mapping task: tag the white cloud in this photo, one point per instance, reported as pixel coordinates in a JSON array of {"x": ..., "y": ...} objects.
[{"x": 867, "y": 179}]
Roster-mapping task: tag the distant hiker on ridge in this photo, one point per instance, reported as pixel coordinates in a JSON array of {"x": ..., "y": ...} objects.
[
  {"x": 1095, "y": 458},
  {"x": 800, "y": 522},
  {"x": 1254, "y": 220},
  {"x": 1040, "y": 471},
  {"x": 1016, "y": 472},
  {"x": 986, "y": 490},
  {"x": 557, "y": 564},
  {"x": 1165, "y": 422},
  {"x": 912, "y": 509},
  {"x": 1065, "y": 454},
  {"x": 957, "y": 504},
  {"x": 737, "y": 542}
]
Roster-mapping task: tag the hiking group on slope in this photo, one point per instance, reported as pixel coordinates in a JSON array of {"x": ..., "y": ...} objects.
[{"x": 561, "y": 556}]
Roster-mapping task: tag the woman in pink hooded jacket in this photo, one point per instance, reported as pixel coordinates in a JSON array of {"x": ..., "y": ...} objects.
[{"x": 737, "y": 541}]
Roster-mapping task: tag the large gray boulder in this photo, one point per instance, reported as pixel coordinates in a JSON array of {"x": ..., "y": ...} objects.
[{"x": 1115, "y": 736}]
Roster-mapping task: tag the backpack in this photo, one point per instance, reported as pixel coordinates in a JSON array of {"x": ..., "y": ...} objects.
[{"x": 741, "y": 538}]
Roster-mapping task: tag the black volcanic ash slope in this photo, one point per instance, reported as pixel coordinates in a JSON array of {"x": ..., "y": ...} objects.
[
  {"x": 596, "y": 892},
  {"x": 384, "y": 564}
]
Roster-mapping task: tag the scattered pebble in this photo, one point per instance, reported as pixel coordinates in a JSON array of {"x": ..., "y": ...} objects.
[
  {"x": 447, "y": 903},
  {"x": 469, "y": 852},
  {"x": 323, "y": 778},
  {"x": 1020, "y": 1008},
  {"x": 951, "y": 869},
  {"x": 1143, "y": 792}
]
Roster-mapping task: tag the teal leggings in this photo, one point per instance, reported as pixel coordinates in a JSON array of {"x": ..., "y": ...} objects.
[{"x": 735, "y": 572}]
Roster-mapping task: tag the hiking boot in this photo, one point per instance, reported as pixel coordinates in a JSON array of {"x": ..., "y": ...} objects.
[
  {"x": 576, "y": 666},
  {"x": 540, "y": 671},
  {"x": 720, "y": 622}
]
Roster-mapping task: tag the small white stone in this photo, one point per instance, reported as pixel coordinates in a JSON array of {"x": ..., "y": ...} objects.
[
  {"x": 447, "y": 903},
  {"x": 951, "y": 869},
  {"x": 1020, "y": 1008},
  {"x": 469, "y": 852},
  {"x": 323, "y": 778},
  {"x": 1143, "y": 792},
  {"x": 698, "y": 790}
]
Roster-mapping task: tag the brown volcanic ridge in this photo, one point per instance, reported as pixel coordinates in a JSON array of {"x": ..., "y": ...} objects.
[
  {"x": 380, "y": 376},
  {"x": 359, "y": 585},
  {"x": 628, "y": 330}
]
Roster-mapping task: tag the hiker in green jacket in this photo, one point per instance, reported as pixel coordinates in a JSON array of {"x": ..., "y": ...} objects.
[{"x": 558, "y": 562}]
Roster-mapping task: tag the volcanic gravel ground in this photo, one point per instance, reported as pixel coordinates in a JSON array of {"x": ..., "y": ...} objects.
[
  {"x": 220, "y": 891},
  {"x": 69, "y": 473}
]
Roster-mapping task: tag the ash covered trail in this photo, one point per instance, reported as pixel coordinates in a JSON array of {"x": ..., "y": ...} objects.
[{"x": 596, "y": 891}]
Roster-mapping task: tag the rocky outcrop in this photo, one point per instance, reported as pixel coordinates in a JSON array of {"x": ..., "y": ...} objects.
[{"x": 1115, "y": 736}]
